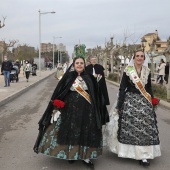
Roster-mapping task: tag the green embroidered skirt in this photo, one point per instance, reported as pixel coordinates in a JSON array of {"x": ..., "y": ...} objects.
[{"x": 74, "y": 135}]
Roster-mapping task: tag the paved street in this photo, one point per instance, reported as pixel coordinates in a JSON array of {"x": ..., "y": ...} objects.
[
  {"x": 22, "y": 85},
  {"x": 19, "y": 128}
]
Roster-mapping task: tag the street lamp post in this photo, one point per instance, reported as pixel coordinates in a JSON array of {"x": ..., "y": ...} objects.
[
  {"x": 40, "y": 36},
  {"x": 53, "y": 48},
  {"x": 58, "y": 55}
]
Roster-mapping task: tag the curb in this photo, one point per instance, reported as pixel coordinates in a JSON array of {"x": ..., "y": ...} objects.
[
  {"x": 20, "y": 92},
  {"x": 162, "y": 103}
]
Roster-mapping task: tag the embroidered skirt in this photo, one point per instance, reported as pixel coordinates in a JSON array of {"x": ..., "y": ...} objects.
[
  {"x": 75, "y": 134},
  {"x": 134, "y": 133}
]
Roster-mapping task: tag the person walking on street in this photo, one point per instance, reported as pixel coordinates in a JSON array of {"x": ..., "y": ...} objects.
[
  {"x": 97, "y": 71},
  {"x": 6, "y": 69},
  {"x": 167, "y": 72},
  {"x": 59, "y": 72},
  {"x": 27, "y": 69},
  {"x": 17, "y": 63},
  {"x": 65, "y": 66},
  {"x": 73, "y": 130},
  {"x": 17, "y": 66},
  {"x": 133, "y": 131},
  {"x": 161, "y": 71},
  {"x": 34, "y": 69}
]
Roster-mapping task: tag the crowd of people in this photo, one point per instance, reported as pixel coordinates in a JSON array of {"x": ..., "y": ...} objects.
[
  {"x": 71, "y": 126},
  {"x": 11, "y": 70}
]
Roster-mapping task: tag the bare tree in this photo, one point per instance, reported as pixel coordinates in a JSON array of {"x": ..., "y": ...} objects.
[
  {"x": 6, "y": 46},
  {"x": 26, "y": 52},
  {"x": 3, "y": 24}
]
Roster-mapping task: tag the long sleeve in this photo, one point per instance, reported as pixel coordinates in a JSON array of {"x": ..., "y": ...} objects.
[
  {"x": 10, "y": 66},
  {"x": 149, "y": 86},
  {"x": 160, "y": 67},
  {"x": 122, "y": 91}
]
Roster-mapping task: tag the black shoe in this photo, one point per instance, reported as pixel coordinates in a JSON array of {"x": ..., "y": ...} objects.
[
  {"x": 144, "y": 163},
  {"x": 71, "y": 161},
  {"x": 5, "y": 86},
  {"x": 90, "y": 163}
]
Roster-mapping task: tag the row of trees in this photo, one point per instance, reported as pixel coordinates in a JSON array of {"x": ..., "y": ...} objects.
[
  {"x": 112, "y": 54},
  {"x": 25, "y": 52},
  {"x": 21, "y": 52}
]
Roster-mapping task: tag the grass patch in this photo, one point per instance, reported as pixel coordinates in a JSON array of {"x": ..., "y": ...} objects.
[
  {"x": 159, "y": 91},
  {"x": 113, "y": 77}
]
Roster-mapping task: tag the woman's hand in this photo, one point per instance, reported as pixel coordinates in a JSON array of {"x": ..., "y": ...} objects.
[{"x": 53, "y": 112}]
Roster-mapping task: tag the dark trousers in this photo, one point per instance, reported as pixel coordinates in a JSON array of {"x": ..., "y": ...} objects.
[
  {"x": 160, "y": 77},
  {"x": 166, "y": 77},
  {"x": 27, "y": 74}
]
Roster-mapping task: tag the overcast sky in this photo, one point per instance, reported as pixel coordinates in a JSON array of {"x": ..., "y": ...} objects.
[{"x": 87, "y": 21}]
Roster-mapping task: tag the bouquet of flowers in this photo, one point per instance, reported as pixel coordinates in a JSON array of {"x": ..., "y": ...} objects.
[
  {"x": 99, "y": 76},
  {"x": 155, "y": 102},
  {"x": 58, "y": 103},
  {"x": 56, "y": 113}
]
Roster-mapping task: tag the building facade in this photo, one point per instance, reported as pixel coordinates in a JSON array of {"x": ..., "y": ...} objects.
[
  {"x": 149, "y": 38},
  {"x": 48, "y": 47}
]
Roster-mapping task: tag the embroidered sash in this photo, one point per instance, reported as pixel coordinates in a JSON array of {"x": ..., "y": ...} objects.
[
  {"x": 134, "y": 77},
  {"x": 82, "y": 92}
]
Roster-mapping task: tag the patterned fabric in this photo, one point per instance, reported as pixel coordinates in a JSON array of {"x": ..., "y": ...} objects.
[
  {"x": 126, "y": 150},
  {"x": 75, "y": 134},
  {"x": 81, "y": 83},
  {"x": 137, "y": 122},
  {"x": 143, "y": 77}
]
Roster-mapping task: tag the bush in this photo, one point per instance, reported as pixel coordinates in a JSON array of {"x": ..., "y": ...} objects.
[
  {"x": 159, "y": 91},
  {"x": 113, "y": 77}
]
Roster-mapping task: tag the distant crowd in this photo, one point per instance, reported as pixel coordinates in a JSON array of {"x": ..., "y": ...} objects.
[{"x": 11, "y": 70}]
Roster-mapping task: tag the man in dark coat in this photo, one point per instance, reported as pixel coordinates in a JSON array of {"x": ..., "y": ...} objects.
[
  {"x": 6, "y": 69},
  {"x": 96, "y": 69},
  {"x": 166, "y": 72}
]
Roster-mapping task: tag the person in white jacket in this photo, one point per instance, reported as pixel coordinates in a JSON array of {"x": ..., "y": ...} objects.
[
  {"x": 161, "y": 71},
  {"x": 27, "y": 69}
]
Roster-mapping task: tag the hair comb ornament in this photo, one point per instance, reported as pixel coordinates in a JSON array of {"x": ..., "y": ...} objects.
[{"x": 80, "y": 50}]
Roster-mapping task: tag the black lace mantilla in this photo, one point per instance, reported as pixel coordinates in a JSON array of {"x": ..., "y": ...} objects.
[
  {"x": 78, "y": 123},
  {"x": 137, "y": 123}
]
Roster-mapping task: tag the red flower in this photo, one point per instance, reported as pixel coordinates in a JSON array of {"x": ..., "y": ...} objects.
[
  {"x": 155, "y": 101},
  {"x": 58, "y": 103}
]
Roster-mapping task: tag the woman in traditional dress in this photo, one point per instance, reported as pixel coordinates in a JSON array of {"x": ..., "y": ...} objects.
[
  {"x": 60, "y": 71},
  {"x": 77, "y": 133},
  {"x": 132, "y": 130}
]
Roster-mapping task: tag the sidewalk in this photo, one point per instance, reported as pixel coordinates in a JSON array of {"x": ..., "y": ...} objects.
[
  {"x": 16, "y": 89},
  {"x": 162, "y": 102}
]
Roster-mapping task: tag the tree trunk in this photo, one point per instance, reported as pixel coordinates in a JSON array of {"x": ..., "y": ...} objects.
[
  {"x": 105, "y": 64},
  {"x": 168, "y": 88},
  {"x": 111, "y": 64},
  {"x": 152, "y": 67}
]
